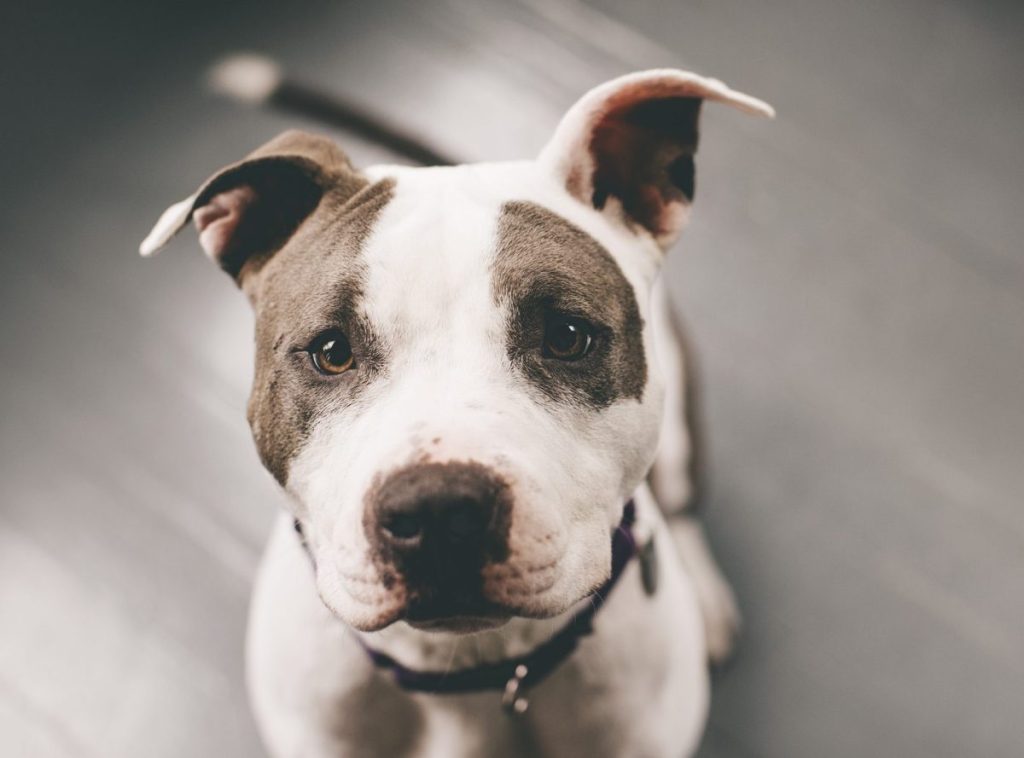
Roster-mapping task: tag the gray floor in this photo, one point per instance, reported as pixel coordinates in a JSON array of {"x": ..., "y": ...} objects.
[{"x": 854, "y": 277}]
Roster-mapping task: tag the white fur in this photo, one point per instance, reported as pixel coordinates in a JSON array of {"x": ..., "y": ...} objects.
[
  {"x": 718, "y": 609},
  {"x": 636, "y": 687},
  {"x": 449, "y": 381},
  {"x": 450, "y": 394},
  {"x": 169, "y": 223},
  {"x": 669, "y": 477}
]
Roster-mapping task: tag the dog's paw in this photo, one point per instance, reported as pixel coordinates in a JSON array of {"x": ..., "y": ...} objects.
[
  {"x": 718, "y": 607},
  {"x": 722, "y": 621}
]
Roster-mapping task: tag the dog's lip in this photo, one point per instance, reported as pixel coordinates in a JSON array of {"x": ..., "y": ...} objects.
[
  {"x": 451, "y": 615},
  {"x": 464, "y": 624}
]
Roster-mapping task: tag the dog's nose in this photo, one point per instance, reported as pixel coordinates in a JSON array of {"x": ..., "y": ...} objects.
[
  {"x": 446, "y": 519},
  {"x": 445, "y": 509},
  {"x": 437, "y": 525}
]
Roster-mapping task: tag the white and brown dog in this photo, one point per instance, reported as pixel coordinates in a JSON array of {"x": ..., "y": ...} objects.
[{"x": 470, "y": 386}]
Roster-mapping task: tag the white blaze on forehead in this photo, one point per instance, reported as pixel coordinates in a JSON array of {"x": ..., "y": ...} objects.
[
  {"x": 427, "y": 271},
  {"x": 489, "y": 186}
]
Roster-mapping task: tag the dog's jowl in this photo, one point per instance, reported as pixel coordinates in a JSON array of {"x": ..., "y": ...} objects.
[{"x": 461, "y": 380}]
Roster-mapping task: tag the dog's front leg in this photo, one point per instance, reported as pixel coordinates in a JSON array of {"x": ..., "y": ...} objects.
[
  {"x": 715, "y": 597},
  {"x": 674, "y": 481}
]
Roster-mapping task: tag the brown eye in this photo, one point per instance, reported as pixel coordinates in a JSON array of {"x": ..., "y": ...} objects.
[
  {"x": 331, "y": 353},
  {"x": 567, "y": 338}
]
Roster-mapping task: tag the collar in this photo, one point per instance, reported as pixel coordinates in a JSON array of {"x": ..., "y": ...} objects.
[{"x": 514, "y": 676}]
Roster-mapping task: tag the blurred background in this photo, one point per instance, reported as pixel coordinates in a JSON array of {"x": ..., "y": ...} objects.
[{"x": 853, "y": 278}]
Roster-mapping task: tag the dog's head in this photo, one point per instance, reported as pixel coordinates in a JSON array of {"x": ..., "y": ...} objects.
[{"x": 454, "y": 377}]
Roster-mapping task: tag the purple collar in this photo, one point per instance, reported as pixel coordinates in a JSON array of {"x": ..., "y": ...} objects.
[{"x": 513, "y": 676}]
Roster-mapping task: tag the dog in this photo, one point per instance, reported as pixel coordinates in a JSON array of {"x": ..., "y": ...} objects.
[{"x": 469, "y": 382}]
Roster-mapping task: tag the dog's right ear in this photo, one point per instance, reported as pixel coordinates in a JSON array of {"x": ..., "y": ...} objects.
[
  {"x": 248, "y": 210},
  {"x": 626, "y": 148}
]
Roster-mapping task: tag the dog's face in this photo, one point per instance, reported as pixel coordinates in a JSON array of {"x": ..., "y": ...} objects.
[{"x": 454, "y": 378}]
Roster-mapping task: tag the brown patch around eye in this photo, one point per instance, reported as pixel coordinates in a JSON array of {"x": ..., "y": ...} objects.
[
  {"x": 316, "y": 278},
  {"x": 544, "y": 268}
]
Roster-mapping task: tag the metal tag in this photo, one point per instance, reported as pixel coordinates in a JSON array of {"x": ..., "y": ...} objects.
[
  {"x": 648, "y": 556},
  {"x": 515, "y": 703}
]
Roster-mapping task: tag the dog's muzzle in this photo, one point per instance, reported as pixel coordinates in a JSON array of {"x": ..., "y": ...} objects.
[
  {"x": 512, "y": 677},
  {"x": 437, "y": 525}
]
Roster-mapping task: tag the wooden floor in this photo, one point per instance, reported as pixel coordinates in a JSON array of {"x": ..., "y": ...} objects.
[{"x": 854, "y": 277}]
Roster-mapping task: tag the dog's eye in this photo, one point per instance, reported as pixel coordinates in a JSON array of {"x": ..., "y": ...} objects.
[
  {"x": 567, "y": 338},
  {"x": 331, "y": 353}
]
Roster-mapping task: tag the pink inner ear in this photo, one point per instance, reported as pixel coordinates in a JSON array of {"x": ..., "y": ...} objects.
[{"x": 217, "y": 221}]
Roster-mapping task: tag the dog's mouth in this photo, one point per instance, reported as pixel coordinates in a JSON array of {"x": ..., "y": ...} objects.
[
  {"x": 452, "y": 615},
  {"x": 459, "y": 624}
]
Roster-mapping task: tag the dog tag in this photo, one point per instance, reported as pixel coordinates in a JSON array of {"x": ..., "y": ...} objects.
[
  {"x": 513, "y": 700},
  {"x": 648, "y": 556}
]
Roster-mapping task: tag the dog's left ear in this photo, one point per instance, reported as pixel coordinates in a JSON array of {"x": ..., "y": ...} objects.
[
  {"x": 248, "y": 210},
  {"x": 627, "y": 146}
]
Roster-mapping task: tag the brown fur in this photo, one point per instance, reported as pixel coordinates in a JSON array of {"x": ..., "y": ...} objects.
[
  {"x": 313, "y": 283},
  {"x": 544, "y": 265}
]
